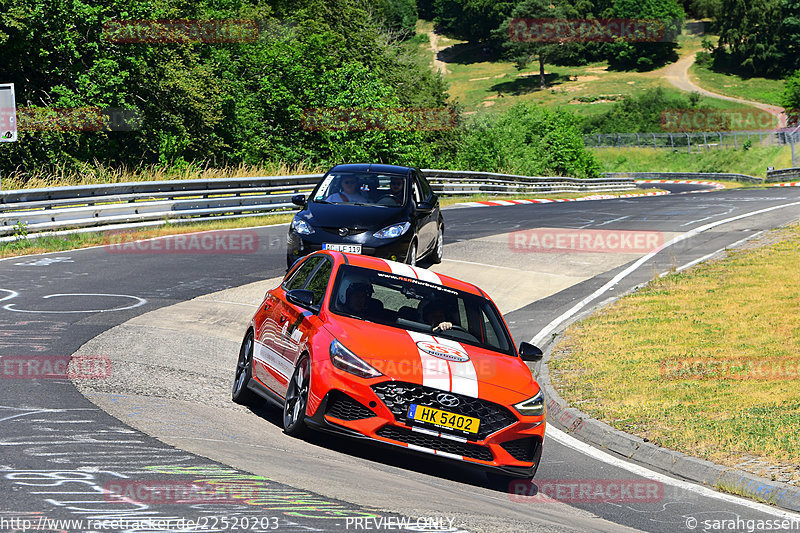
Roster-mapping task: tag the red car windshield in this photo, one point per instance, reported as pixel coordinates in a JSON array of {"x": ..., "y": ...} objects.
[{"x": 418, "y": 305}]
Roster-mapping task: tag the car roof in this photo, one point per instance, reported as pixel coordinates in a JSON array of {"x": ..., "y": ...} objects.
[
  {"x": 372, "y": 167},
  {"x": 385, "y": 265}
]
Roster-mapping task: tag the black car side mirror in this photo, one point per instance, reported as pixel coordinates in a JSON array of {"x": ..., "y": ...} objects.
[
  {"x": 529, "y": 352},
  {"x": 302, "y": 298},
  {"x": 425, "y": 207},
  {"x": 299, "y": 199}
]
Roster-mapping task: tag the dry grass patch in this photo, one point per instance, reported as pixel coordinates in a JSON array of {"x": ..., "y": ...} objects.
[{"x": 739, "y": 318}]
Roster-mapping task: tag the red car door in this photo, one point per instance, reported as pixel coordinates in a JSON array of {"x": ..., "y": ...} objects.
[{"x": 270, "y": 364}]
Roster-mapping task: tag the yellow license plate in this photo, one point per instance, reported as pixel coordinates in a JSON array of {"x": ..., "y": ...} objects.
[{"x": 443, "y": 418}]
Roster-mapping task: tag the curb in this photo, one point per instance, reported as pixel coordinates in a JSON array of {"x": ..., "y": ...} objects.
[
  {"x": 692, "y": 182},
  {"x": 599, "y": 434},
  {"x": 787, "y": 184},
  {"x": 490, "y": 203}
]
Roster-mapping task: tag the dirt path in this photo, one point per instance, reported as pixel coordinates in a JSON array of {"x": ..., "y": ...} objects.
[
  {"x": 438, "y": 65},
  {"x": 678, "y": 75}
]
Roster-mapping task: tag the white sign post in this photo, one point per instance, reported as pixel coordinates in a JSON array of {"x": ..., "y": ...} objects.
[{"x": 8, "y": 113}]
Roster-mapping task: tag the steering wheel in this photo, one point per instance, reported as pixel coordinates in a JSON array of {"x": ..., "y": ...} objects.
[{"x": 388, "y": 199}]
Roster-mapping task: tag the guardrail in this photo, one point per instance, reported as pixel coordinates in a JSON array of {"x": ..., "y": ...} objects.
[
  {"x": 704, "y": 176},
  {"x": 783, "y": 174},
  {"x": 88, "y": 206}
]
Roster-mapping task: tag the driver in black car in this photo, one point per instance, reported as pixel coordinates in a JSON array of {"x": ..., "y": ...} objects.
[{"x": 396, "y": 187}]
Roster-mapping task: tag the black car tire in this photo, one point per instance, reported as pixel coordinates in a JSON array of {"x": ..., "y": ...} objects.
[
  {"x": 438, "y": 247},
  {"x": 294, "y": 408},
  {"x": 411, "y": 257},
  {"x": 244, "y": 371}
]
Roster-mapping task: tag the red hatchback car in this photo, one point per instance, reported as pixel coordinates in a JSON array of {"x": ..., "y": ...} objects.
[{"x": 381, "y": 350}]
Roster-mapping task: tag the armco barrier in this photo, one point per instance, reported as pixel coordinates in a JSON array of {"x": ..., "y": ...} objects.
[
  {"x": 704, "y": 176},
  {"x": 783, "y": 174},
  {"x": 84, "y": 206}
]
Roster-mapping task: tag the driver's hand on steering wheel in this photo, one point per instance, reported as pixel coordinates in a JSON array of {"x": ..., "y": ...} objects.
[{"x": 443, "y": 326}]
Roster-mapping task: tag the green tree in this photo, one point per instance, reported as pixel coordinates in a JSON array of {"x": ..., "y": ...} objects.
[
  {"x": 523, "y": 48},
  {"x": 791, "y": 98},
  {"x": 471, "y": 20},
  {"x": 645, "y": 55},
  {"x": 750, "y": 37}
]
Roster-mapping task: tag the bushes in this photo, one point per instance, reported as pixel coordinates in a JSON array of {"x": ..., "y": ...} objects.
[
  {"x": 637, "y": 113},
  {"x": 528, "y": 140}
]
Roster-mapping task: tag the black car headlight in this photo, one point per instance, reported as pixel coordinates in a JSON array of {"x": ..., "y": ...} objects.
[
  {"x": 393, "y": 231},
  {"x": 301, "y": 226},
  {"x": 532, "y": 406},
  {"x": 344, "y": 359}
]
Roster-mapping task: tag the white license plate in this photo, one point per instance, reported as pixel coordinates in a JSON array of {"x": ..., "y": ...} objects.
[{"x": 349, "y": 248}]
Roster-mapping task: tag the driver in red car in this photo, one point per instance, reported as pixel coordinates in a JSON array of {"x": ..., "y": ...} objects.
[
  {"x": 434, "y": 314},
  {"x": 357, "y": 298}
]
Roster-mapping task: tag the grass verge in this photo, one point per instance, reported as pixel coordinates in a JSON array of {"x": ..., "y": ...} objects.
[
  {"x": 768, "y": 91},
  {"x": 96, "y": 173},
  {"x": 57, "y": 243},
  {"x": 753, "y": 162},
  {"x": 706, "y": 361}
]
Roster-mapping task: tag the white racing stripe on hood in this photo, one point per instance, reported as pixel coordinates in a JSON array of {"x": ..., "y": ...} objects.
[
  {"x": 426, "y": 275},
  {"x": 401, "y": 269},
  {"x": 435, "y": 372},
  {"x": 441, "y": 374},
  {"x": 463, "y": 375}
]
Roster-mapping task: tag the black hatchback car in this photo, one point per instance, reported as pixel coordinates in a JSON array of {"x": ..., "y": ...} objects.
[{"x": 382, "y": 210}]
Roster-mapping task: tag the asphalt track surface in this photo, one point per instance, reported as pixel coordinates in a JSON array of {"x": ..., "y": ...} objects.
[{"x": 59, "y": 452}]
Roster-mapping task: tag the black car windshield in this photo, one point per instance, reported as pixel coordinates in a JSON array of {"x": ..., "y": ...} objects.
[
  {"x": 388, "y": 190},
  {"x": 418, "y": 305}
]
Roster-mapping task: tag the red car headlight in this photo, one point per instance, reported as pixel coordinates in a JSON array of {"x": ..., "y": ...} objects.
[
  {"x": 532, "y": 406},
  {"x": 344, "y": 359}
]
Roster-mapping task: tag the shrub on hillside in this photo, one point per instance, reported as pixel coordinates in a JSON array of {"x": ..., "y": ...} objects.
[
  {"x": 642, "y": 113},
  {"x": 528, "y": 140}
]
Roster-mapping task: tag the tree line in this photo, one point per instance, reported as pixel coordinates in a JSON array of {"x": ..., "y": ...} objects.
[
  {"x": 221, "y": 103},
  {"x": 756, "y": 37}
]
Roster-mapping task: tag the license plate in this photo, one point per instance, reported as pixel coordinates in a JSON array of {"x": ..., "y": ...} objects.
[
  {"x": 441, "y": 418},
  {"x": 349, "y": 248}
]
